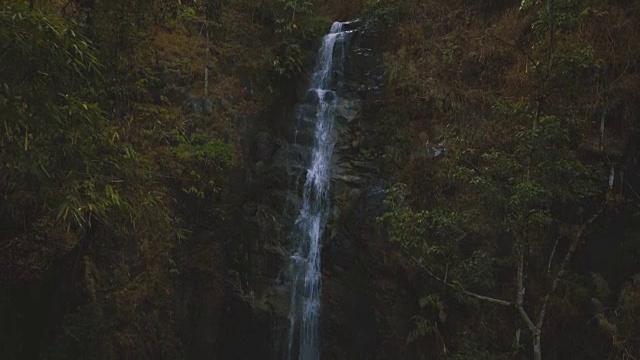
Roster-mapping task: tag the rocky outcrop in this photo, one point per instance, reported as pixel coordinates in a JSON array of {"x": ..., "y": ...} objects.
[{"x": 366, "y": 293}]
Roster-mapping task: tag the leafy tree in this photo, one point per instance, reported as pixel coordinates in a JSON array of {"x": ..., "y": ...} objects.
[
  {"x": 290, "y": 17},
  {"x": 516, "y": 198},
  {"x": 621, "y": 322},
  {"x": 204, "y": 162}
]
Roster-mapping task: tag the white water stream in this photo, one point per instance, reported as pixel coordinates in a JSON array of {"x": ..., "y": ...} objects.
[{"x": 304, "y": 326}]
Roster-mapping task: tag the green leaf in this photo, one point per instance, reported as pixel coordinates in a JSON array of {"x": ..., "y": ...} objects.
[
  {"x": 442, "y": 315},
  {"x": 424, "y": 301}
]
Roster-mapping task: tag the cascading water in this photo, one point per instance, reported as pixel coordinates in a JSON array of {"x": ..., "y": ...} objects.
[{"x": 304, "y": 267}]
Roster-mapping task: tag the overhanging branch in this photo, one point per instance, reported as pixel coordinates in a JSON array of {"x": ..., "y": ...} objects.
[{"x": 456, "y": 288}]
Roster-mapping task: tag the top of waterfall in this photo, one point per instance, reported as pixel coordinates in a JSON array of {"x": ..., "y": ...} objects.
[
  {"x": 345, "y": 26},
  {"x": 336, "y": 28}
]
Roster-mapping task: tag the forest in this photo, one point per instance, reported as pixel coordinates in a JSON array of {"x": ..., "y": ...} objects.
[{"x": 484, "y": 185}]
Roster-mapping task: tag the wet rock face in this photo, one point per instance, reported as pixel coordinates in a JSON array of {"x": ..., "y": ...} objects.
[
  {"x": 364, "y": 299},
  {"x": 352, "y": 172}
]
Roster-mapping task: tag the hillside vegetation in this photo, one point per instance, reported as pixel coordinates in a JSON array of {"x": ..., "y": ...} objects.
[
  {"x": 117, "y": 150},
  {"x": 509, "y": 133},
  {"x": 536, "y": 105}
]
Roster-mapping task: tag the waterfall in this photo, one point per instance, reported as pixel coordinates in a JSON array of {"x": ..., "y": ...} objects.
[{"x": 304, "y": 267}]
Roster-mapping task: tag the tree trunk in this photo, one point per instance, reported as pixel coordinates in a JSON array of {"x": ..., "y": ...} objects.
[
  {"x": 602, "y": 120},
  {"x": 537, "y": 347},
  {"x": 206, "y": 64}
]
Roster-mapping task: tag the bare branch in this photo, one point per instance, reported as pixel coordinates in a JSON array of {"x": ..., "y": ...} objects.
[
  {"x": 520, "y": 279},
  {"x": 572, "y": 249},
  {"x": 552, "y": 255},
  {"x": 516, "y": 344},
  {"x": 527, "y": 320},
  {"x": 482, "y": 297},
  {"x": 456, "y": 288},
  {"x": 632, "y": 190},
  {"x": 520, "y": 293},
  {"x": 446, "y": 273}
]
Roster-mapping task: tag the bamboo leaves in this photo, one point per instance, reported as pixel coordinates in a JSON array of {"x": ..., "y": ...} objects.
[{"x": 60, "y": 153}]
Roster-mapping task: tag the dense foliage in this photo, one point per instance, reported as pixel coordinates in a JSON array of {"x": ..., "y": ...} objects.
[
  {"x": 508, "y": 130},
  {"x": 93, "y": 162},
  {"x": 118, "y": 146},
  {"x": 521, "y": 97}
]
